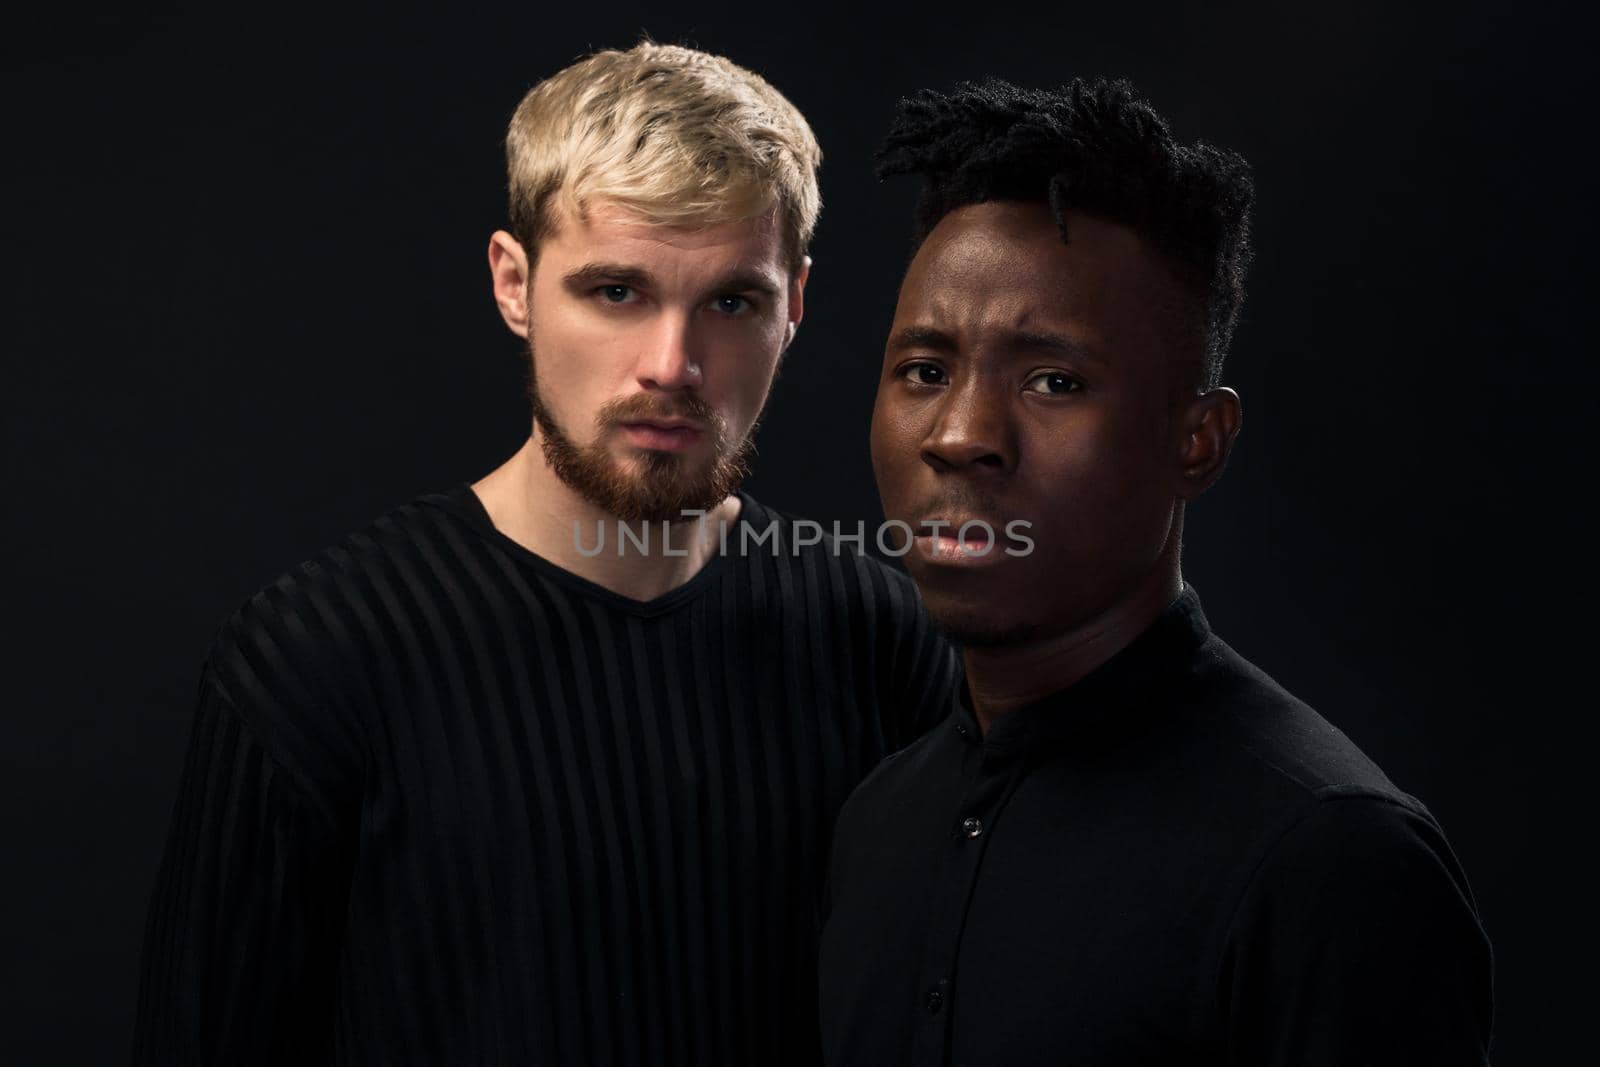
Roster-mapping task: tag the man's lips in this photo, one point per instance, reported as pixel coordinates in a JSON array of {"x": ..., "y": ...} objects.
[
  {"x": 965, "y": 540},
  {"x": 662, "y": 435}
]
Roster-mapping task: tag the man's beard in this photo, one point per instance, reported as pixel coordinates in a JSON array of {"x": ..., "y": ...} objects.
[{"x": 660, "y": 486}]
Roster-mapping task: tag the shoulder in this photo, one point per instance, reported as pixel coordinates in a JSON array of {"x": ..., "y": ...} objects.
[
  {"x": 1363, "y": 835},
  {"x": 1266, "y": 733},
  {"x": 1332, "y": 832},
  {"x": 298, "y": 658},
  {"x": 1368, "y": 874},
  {"x": 311, "y": 615},
  {"x": 1286, "y": 790}
]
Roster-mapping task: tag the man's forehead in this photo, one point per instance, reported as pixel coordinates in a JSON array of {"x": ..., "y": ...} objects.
[
  {"x": 984, "y": 308},
  {"x": 1005, "y": 242},
  {"x": 1003, "y": 267},
  {"x": 982, "y": 294},
  {"x": 611, "y": 221}
]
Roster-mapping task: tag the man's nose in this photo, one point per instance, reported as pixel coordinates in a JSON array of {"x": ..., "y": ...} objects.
[
  {"x": 972, "y": 431},
  {"x": 670, "y": 361}
]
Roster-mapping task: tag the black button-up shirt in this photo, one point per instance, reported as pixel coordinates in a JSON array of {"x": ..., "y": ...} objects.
[{"x": 1171, "y": 861}]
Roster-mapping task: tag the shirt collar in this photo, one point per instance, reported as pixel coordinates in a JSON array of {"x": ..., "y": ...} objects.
[{"x": 1114, "y": 693}]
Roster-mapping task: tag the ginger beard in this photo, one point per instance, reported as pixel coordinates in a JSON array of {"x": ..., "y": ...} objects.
[{"x": 651, "y": 486}]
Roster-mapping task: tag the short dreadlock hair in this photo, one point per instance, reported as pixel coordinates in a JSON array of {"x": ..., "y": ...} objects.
[{"x": 1098, "y": 147}]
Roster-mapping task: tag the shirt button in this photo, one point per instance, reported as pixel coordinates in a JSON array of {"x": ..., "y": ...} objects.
[
  {"x": 973, "y": 826},
  {"x": 935, "y": 1001}
]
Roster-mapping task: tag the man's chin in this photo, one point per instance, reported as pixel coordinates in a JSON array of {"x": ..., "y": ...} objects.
[
  {"x": 661, "y": 487},
  {"x": 677, "y": 509},
  {"x": 643, "y": 484},
  {"x": 979, "y": 625},
  {"x": 647, "y": 502}
]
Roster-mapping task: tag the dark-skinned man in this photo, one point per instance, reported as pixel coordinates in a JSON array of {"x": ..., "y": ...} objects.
[{"x": 1127, "y": 844}]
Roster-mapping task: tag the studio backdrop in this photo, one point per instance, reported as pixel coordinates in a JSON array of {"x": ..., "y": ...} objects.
[{"x": 247, "y": 310}]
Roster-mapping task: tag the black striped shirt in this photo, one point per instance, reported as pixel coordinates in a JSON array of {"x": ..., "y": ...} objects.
[{"x": 446, "y": 802}]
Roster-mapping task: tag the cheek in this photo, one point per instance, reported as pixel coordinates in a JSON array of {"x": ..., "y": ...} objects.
[
  {"x": 744, "y": 363},
  {"x": 1094, "y": 481},
  {"x": 582, "y": 349},
  {"x": 891, "y": 440},
  {"x": 1126, "y": 513}
]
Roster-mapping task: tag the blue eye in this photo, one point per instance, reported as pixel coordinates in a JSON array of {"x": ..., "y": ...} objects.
[
  {"x": 732, "y": 305},
  {"x": 1053, "y": 383},
  {"x": 923, "y": 374}
]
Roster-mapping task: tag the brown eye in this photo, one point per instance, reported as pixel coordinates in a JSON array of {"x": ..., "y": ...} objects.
[
  {"x": 923, "y": 374},
  {"x": 1053, "y": 383}
]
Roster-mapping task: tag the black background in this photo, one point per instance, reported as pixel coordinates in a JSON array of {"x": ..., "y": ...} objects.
[{"x": 247, "y": 310}]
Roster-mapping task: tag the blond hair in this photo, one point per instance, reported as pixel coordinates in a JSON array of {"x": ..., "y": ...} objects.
[{"x": 678, "y": 136}]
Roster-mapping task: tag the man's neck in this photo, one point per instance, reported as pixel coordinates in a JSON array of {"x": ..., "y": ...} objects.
[
  {"x": 1002, "y": 679},
  {"x": 536, "y": 509}
]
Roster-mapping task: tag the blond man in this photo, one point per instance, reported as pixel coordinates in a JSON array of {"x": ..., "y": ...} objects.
[{"x": 541, "y": 769}]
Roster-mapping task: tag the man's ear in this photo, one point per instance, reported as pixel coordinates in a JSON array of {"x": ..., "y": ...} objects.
[
  {"x": 508, "y": 271},
  {"x": 797, "y": 299},
  {"x": 1210, "y": 422}
]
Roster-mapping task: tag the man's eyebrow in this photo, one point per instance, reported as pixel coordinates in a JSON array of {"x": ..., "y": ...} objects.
[
  {"x": 595, "y": 274},
  {"x": 748, "y": 281},
  {"x": 606, "y": 273},
  {"x": 1067, "y": 346},
  {"x": 931, "y": 337},
  {"x": 921, "y": 337}
]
